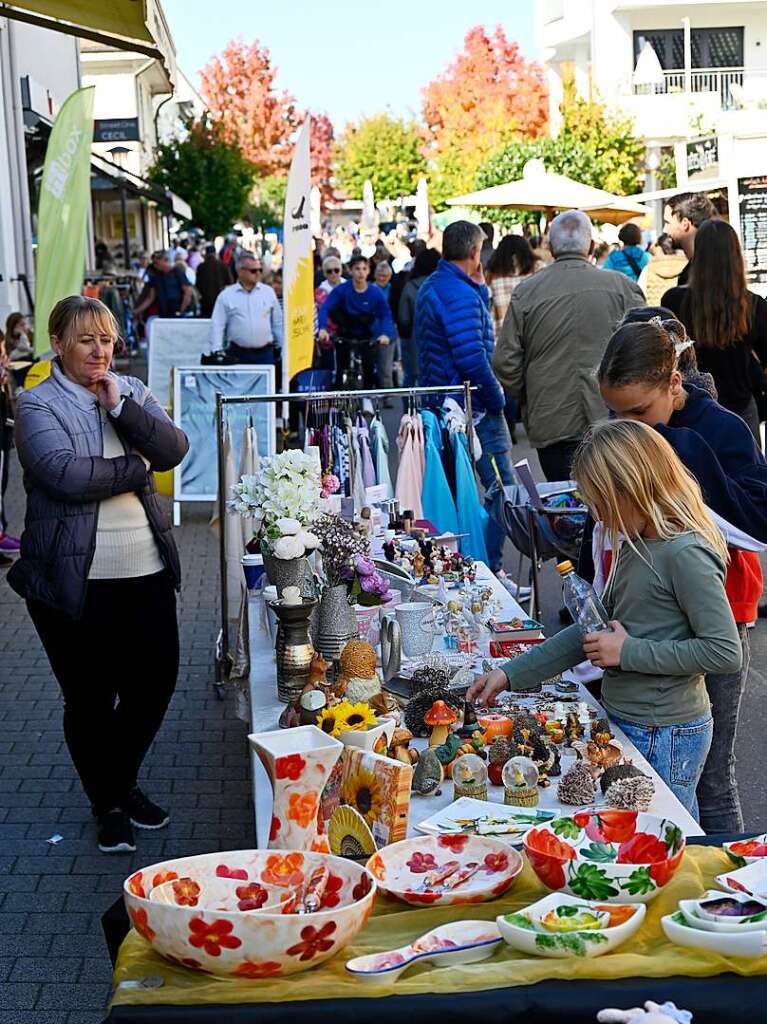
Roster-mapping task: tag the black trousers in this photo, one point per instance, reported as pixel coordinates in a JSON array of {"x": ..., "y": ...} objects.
[
  {"x": 117, "y": 669},
  {"x": 556, "y": 460}
]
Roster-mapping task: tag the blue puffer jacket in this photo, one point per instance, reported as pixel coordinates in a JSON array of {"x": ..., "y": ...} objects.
[{"x": 455, "y": 335}]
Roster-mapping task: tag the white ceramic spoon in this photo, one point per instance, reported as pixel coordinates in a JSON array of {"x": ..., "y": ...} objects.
[{"x": 461, "y": 942}]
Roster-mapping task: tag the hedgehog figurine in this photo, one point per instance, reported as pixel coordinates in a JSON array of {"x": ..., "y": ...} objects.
[
  {"x": 498, "y": 755},
  {"x": 577, "y": 786},
  {"x": 419, "y": 705},
  {"x": 618, "y": 771},
  {"x": 631, "y": 794}
]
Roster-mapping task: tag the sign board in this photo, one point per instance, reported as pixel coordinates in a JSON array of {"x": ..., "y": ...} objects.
[
  {"x": 697, "y": 160},
  {"x": 752, "y": 220},
  {"x": 176, "y": 341},
  {"x": 194, "y": 411},
  {"x": 116, "y": 129}
]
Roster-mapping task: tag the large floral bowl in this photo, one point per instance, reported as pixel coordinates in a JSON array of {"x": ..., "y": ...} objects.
[
  {"x": 250, "y": 942},
  {"x": 445, "y": 870},
  {"x": 623, "y": 856}
]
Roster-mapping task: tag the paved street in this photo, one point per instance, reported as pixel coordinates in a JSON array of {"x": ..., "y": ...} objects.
[{"x": 54, "y": 967}]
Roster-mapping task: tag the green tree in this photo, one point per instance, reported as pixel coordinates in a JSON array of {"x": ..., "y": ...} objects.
[
  {"x": 267, "y": 201},
  {"x": 210, "y": 173},
  {"x": 385, "y": 149}
]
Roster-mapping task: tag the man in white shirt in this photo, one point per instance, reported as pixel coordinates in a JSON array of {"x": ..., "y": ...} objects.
[{"x": 248, "y": 315}]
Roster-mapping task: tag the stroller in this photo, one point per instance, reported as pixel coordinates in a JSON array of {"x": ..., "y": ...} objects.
[{"x": 551, "y": 527}]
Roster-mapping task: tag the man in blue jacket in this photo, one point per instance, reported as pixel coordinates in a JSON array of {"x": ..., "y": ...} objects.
[{"x": 454, "y": 329}]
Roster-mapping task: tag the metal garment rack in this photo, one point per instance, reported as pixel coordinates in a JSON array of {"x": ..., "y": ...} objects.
[{"x": 222, "y": 645}]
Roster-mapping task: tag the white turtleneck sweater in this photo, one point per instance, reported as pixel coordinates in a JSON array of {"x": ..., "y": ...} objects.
[{"x": 125, "y": 544}]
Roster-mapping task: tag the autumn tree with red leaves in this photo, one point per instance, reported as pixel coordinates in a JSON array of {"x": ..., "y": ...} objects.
[
  {"x": 239, "y": 87},
  {"x": 321, "y": 141},
  {"x": 486, "y": 97}
]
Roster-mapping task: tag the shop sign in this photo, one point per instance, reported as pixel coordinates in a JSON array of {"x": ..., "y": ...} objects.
[{"x": 116, "y": 129}]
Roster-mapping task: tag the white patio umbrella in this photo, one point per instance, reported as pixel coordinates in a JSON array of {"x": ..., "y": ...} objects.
[
  {"x": 422, "y": 209},
  {"x": 648, "y": 70},
  {"x": 539, "y": 189}
]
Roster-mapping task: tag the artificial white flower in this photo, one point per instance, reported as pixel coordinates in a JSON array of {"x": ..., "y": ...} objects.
[
  {"x": 288, "y": 527},
  {"x": 309, "y": 540},
  {"x": 287, "y": 547}
]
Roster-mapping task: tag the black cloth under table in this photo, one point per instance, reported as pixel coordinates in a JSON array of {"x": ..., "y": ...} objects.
[{"x": 722, "y": 999}]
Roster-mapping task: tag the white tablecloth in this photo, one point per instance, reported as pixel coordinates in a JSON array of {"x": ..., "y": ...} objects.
[{"x": 266, "y": 709}]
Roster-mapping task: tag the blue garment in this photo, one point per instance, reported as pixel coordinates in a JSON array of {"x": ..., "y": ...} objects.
[
  {"x": 437, "y": 501},
  {"x": 676, "y": 752},
  {"x": 493, "y": 433},
  {"x": 357, "y": 315},
  {"x": 617, "y": 260},
  {"x": 472, "y": 518},
  {"x": 379, "y": 442},
  {"x": 454, "y": 332}
]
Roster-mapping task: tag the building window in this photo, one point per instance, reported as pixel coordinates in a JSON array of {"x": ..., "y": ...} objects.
[{"x": 711, "y": 47}]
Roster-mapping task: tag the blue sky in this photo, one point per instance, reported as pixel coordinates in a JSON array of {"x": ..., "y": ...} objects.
[{"x": 345, "y": 58}]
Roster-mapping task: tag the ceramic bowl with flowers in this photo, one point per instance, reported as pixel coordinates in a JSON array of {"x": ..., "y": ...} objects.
[
  {"x": 746, "y": 851},
  {"x": 250, "y": 932},
  {"x": 606, "y": 855}
]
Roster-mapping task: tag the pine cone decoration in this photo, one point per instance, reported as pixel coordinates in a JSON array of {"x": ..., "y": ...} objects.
[
  {"x": 577, "y": 786},
  {"x": 631, "y": 794}
]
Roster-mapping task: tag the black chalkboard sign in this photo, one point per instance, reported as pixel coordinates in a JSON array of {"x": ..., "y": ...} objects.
[{"x": 752, "y": 209}]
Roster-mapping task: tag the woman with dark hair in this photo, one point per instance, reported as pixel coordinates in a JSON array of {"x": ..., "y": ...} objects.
[
  {"x": 424, "y": 265},
  {"x": 512, "y": 262},
  {"x": 640, "y": 379},
  {"x": 687, "y": 361},
  {"x": 727, "y": 321}
]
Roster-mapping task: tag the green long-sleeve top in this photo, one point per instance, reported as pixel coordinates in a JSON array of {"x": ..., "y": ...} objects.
[{"x": 672, "y": 603}]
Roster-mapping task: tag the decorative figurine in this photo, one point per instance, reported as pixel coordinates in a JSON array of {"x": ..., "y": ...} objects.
[
  {"x": 573, "y": 727},
  {"x": 428, "y": 774},
  {"x": 357, "y": 679},
  {"x": 385, "y": 706},
  {"x": 631, "y": 794},
  {"x": 399, "y": 748},
  {"x": 470, "y": 777},
  {"x": 618, "y": 771},
  {"x": 311, "y": 702},
  {"x": 520, "y": 782},
  {"x": 448, "y": 751},
  {"x": 577, "y": 786},
  {"x": 418, "y": 563},
  {"x": 440, "y": 717},
  {"x": 498, "y": 755}
]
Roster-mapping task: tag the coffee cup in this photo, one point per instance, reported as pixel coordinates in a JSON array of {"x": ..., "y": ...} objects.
[{"x": 253, "y": 567}]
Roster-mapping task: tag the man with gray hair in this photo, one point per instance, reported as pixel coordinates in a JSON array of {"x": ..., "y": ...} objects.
[
  {"x": 248, "y": 315},
  {"x": 552, "y": 340}
]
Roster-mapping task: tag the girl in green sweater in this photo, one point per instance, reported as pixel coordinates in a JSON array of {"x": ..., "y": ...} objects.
[{"x": 670, "y": 618}]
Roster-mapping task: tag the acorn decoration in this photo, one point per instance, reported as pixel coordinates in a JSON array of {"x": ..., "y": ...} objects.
[
  {"x": 577, "y": 786},
  {"x": 632, "y": 794}
]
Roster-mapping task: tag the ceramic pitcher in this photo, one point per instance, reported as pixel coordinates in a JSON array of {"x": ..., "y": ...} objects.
[
  {"x": 298, "y": 762},
  {"x": 416, "y": 623}
]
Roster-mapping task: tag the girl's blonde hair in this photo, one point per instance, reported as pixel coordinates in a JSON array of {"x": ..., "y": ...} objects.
[
  {"x": 625, "y": 462},
  {"x": 76, "y": 313}
]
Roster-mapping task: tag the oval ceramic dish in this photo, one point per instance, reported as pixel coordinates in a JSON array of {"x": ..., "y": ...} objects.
[
  {"x": 445, "y": 870},
  {"x": 693, "y": 915},
  {"x": 746, "y": 851},
  {"x": 622, "y": 856},
  {"x": 550, "y": 927},
  {"x": 461, "y": 942},
  {"x": 678, "y": 930},
  {"x": 241, "y": 943},
  {"x": 751, "y": 879}
]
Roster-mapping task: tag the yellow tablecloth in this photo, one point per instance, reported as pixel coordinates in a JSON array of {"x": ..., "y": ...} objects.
[{"x": 649, "y": 954}]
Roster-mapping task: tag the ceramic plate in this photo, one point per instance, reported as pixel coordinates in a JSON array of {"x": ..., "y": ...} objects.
[
  {"x": 694, "y": 915},
  {"x": 676, "y": 928},
  {"x": 751, "y": 880},
  {"x": 550, "y": 926},
  {"x": 416, "y": 870},
  {"x": 746, "y": 851},
  {"x": 467, "y": 816}
]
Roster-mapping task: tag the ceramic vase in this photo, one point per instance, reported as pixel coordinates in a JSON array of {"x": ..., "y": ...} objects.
[
  {"x": 298, "y": 762},
  {"x": 294, "y": 649},
  {"x": 285, "y": 572},
  {"x": 337, "y": 622}
]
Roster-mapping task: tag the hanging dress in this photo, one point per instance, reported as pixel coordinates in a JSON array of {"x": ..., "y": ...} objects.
[
  {"x": 409, "y": 474},
  {"x": 379, "y": 442},
  {"x": 472, "y": 518},
  {"x": 438, "y": 504}
]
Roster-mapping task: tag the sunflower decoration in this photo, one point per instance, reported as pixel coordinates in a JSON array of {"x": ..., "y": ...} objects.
[
  {"x": 362, "y": 791},
  {"x": 330, "y": 721},
  {"x": 357, "y": 716}
]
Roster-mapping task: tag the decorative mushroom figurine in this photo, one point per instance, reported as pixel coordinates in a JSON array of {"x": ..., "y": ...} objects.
[
  {"x": 440, "y": 717},
  {"x": 398, "y": 748}
]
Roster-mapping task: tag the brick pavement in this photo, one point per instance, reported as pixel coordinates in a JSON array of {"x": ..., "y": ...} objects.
[{"x": 54, "y": 967}]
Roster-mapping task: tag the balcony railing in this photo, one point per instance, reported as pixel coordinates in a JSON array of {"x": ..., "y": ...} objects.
[{"x": 737, "y": 87}]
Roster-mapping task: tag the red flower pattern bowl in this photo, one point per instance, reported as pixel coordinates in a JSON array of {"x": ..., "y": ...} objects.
[
  {"x": 179, "y": 908},
  {"x": 416, "y": 870},
  {"x": 606, "y": 855}
]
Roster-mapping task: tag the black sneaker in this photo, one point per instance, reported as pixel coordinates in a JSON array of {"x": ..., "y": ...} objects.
[
  {"x": 143, "y": 812},
  {"x": 115, "y": 832}
]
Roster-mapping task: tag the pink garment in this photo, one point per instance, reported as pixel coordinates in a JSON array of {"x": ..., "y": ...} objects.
[{"x": 409, "y": 487}]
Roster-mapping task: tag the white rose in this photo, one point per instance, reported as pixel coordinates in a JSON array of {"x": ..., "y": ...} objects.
[
  {"x": 288, "y": 527},
  {"x": 287, "y": 547},
  {"x": 309, "y": 540}
]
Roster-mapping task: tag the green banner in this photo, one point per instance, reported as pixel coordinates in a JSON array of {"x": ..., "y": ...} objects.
[{"x": 63, "y": 214}]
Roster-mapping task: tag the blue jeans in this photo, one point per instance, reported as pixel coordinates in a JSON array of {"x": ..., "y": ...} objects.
[
  {"x": 495, "y": 439},
  {"x": 676, "y": 752}
]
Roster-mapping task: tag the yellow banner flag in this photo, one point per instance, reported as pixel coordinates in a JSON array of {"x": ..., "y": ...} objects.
[{"x": 298, "y": 270}]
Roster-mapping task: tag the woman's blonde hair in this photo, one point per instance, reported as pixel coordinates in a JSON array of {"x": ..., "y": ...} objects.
[
  {"x": 75, "y": 313},
  {"x": 625, "y": 462}
]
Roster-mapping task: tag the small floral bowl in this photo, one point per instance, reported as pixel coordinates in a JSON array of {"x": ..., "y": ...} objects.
[
  {"x": 239, "y": 942},
  {"x": 416, "y": 870},
  {"x": 746, "y": 851},
  {"x": 607, "y": 855}
]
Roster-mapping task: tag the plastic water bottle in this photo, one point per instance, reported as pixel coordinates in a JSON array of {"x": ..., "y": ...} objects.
[{"x": 581, "y": 601}]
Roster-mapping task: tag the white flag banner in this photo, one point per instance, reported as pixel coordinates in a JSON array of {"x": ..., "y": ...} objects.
[{"x": 298, "y": 275}]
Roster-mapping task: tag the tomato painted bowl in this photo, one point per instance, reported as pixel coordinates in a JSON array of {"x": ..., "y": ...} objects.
[
  {"x": 445, "y": 871},
  {"x": 606, "y": 855},
  {"x": 746, "y": 851},
  {"x": 244, "y": 943}
]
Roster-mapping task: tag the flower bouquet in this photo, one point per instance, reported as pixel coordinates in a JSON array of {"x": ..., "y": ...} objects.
[{"x": 346, "y": 562}]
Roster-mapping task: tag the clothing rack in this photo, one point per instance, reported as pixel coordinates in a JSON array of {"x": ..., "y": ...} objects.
[{"x": 222, "y": 645}]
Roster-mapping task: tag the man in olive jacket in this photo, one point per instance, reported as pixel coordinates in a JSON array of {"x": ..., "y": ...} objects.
[{"x": 553, "y": 338}]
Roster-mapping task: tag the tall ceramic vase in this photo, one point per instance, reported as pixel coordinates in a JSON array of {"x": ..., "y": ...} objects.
[
  {"x": 337, "y": 623},
  {"x": 285, "y": 572},
  {"x": 294, "y": 650},
  {"x": 298, "y": 762}
]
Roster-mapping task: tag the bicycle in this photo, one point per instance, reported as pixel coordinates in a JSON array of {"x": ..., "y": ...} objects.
[{"x": 352, "y": 376}]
